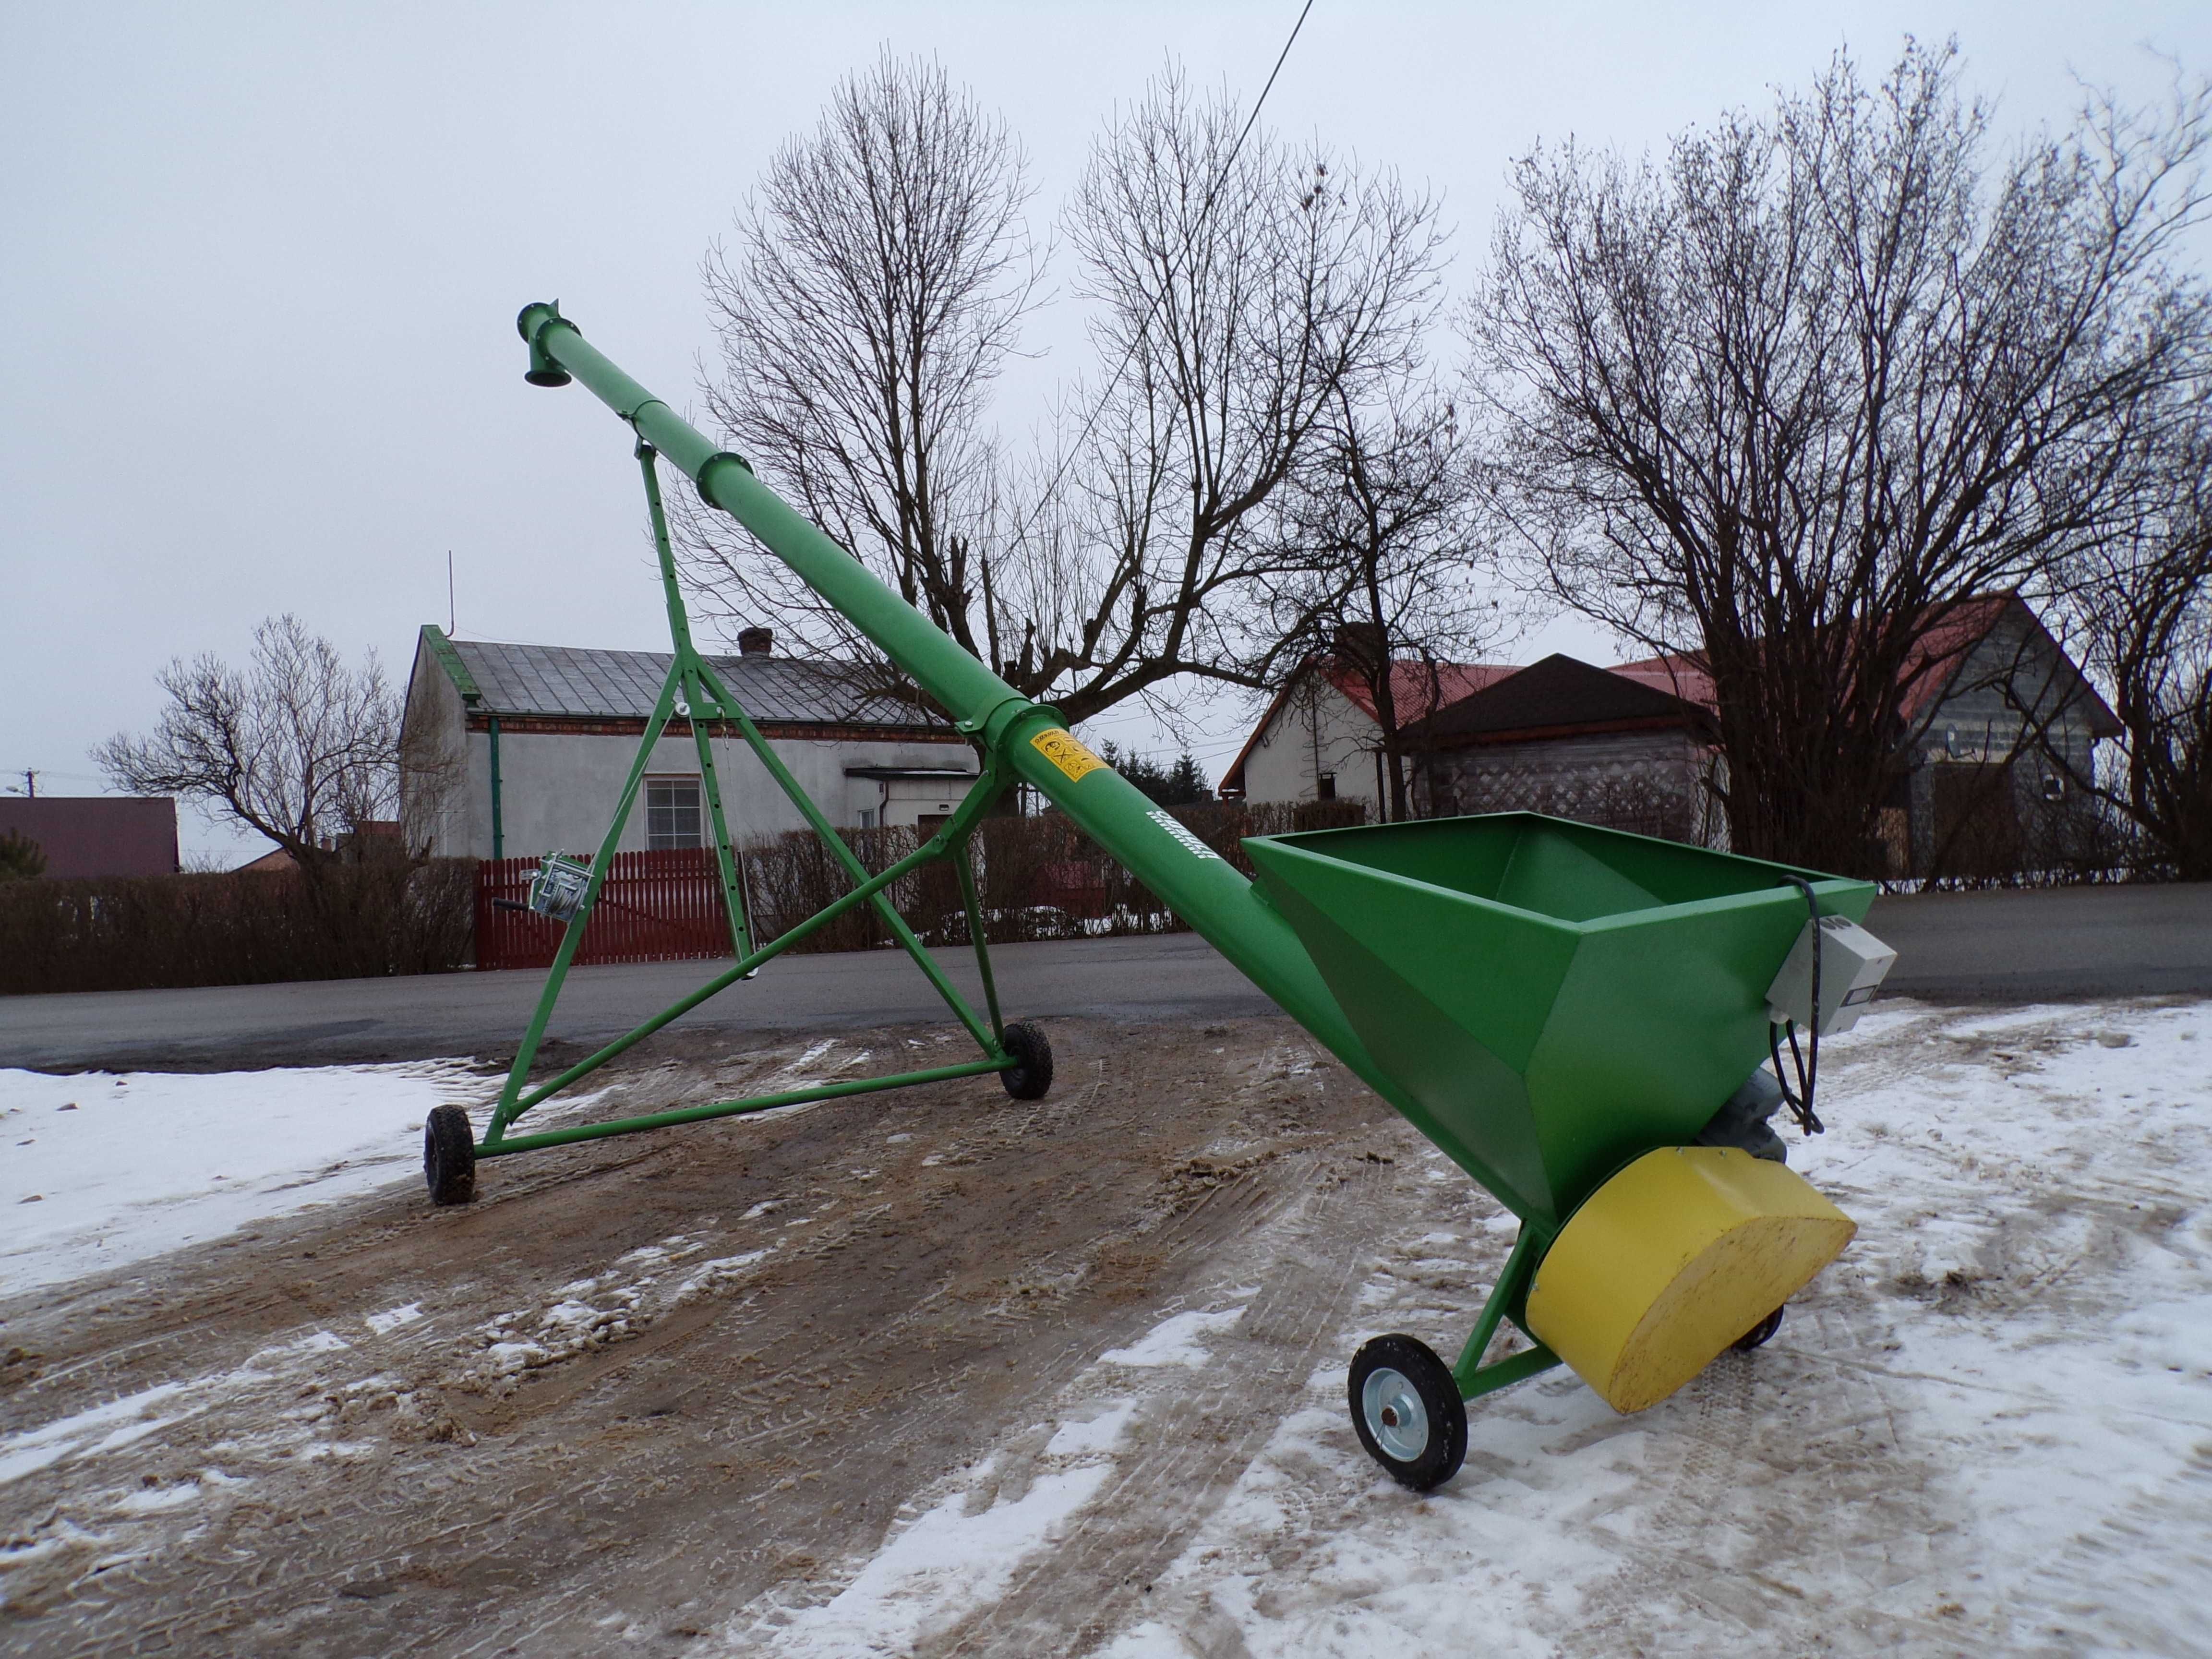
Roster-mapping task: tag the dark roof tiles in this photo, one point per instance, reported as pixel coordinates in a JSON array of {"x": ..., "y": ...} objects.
[
  {"x": 578, "y": 683},
  {"x": 1559, "y": 695}
]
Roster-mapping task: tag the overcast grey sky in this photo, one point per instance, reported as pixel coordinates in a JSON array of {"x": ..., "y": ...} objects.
[{"x": 260, "y": 265}]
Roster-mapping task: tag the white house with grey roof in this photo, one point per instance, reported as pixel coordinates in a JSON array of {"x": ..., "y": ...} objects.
[{"x": 515, "y": 750}]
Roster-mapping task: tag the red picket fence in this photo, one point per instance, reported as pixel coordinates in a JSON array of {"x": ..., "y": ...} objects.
[
  {"x": 1037, "y": 878},
  {"x": 653, "y": 907}
]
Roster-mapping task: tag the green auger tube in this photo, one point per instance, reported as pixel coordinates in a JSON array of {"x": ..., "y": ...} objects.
[{"x": 1550, "y": 1003}]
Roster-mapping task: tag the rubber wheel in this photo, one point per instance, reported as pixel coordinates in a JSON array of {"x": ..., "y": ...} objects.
[
  {"x": 1030, "y": 1074},
  {"x": 1407, "y": 1412},
  {"x": 449, "y": 1156},
  {"x": 1757, "y": 1335}
]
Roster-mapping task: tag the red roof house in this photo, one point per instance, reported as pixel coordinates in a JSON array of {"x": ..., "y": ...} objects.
[{"x": 1317, "y": 739}]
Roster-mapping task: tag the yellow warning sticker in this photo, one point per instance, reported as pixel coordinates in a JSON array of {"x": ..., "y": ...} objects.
[{"x": 1066, "y": 751}]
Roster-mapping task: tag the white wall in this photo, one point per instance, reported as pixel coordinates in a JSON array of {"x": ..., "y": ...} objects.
[
  {"x": 908, "y": 801},
  {"x": 558, "y": 790},
  {"x": 1316, "y": 722},
  {"x": 432, "y": 797}
]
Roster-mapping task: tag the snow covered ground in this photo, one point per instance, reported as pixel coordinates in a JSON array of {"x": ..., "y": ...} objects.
[
  {"x": 101, "y": 1169},
  {"x": 1988, "y": 1428}
]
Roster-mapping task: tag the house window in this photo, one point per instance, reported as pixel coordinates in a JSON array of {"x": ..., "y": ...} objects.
[
  {"x": 1325, "y": 787},
  {"x": 671, "y": 813}
]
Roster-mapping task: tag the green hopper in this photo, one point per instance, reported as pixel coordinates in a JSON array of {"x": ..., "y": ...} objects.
[{"x": 1553, "y": 999}]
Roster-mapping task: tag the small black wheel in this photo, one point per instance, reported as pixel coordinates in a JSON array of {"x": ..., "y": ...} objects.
[
  {"x": 1031, "y": 1073},
  {"x": 1407, "y": 1411},
  {"x": 1757, "y": 1335},
  {"x": 449, "y": 1156}
]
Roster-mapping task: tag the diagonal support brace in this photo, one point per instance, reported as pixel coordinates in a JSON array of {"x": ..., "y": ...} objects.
[{"x": 1506, "y": 1297}]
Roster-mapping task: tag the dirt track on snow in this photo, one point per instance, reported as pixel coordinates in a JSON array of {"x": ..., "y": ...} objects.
[{"x": 641, "y": 1385}]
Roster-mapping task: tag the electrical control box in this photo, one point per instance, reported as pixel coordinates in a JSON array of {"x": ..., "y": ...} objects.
[{"x": 1853, "y": 964}]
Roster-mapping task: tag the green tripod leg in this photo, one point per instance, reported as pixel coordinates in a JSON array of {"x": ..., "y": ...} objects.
[
  {"x": 963, "y": 861},
  {"x": 694, "y": 692},
  {"x": 572, "y": 937},
  {"x": 834, "y": 844},
  {"x": 700, "y": 703}
]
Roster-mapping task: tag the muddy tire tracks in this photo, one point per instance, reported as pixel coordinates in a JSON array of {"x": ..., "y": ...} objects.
[
  {"x": 1194, "y": 1439},
  {"x": 642, "y": 1383}
]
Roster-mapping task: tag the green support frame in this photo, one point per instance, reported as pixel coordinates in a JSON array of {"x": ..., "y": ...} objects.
[
  {"x": 1508, "y": 1298},
  {"x": 1571, "y": 955},
  {"x": 694, "y": 691}
]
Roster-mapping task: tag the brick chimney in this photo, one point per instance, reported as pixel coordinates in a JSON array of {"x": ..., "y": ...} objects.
[
  {"x": 756, "y": 642},
  {"x": 1362, "y": 644}
]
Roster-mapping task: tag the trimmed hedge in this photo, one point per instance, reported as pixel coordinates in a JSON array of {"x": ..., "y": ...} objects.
[
  {"x": 1037, "y": 877},
  {"x": 354, "y": 921}
]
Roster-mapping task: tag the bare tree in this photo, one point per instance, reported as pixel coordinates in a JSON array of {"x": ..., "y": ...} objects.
[
  {"x": 878, "y": 283},
  {"x": 297, "y": 746},
  {"x": 2145, "y": 605},
  {"x": 1383, "y": 544},
  {"x": 1246, "y": 289},
  {"x": 1777, "y": 401}
]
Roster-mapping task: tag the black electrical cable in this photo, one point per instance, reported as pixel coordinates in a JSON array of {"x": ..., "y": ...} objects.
[
  {"x": 1806, "y": 1066},
  {"x": 1204, "y": 212}
]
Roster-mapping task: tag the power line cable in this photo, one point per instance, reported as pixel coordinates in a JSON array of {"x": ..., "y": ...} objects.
[{"x": 1205, "y": 212}]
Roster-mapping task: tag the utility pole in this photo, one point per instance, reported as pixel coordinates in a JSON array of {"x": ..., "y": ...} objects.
[{"x": 31, "y": 782}]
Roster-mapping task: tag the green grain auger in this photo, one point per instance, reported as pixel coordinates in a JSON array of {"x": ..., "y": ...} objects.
[{"x": 1579, "y": 1018}]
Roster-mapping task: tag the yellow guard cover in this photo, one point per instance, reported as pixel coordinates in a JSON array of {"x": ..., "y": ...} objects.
[{"x": 1674, "y": 1259}]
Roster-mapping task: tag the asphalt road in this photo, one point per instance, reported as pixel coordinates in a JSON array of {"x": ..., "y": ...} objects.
[
  {"x": 329, "y": 1022},
  {"x": 2056, "y": 946}
]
